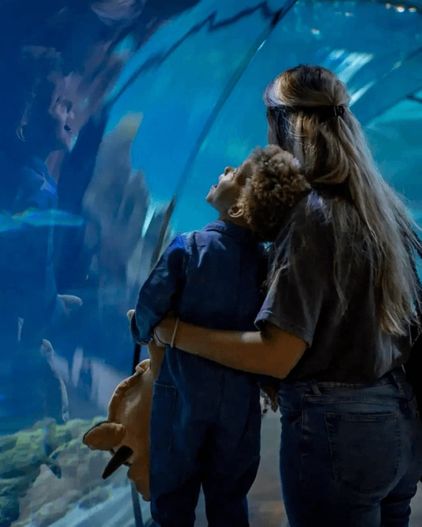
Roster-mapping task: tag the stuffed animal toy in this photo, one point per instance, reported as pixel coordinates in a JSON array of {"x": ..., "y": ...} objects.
[{"x": 126, "y": 431}]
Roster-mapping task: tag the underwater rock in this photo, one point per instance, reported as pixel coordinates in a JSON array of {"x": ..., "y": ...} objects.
[
  {"x": 53, "y": 511},
  {"x": 47, "y": 469},
  {"x": 32, "y": 448},
  {"x": 9, "y": 511},
  {"x": 7, "y": 442},
  {"x": 98, "y": 495},
  {"x": 13, "y": 486}
]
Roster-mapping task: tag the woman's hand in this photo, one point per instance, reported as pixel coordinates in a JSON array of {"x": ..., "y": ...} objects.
[
  {"x": 163, "y": 333},
  {"x": 156, "y": 353}
]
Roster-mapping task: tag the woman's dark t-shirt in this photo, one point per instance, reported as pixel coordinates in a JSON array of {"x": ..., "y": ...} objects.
[{"x": 344, "y": 345}]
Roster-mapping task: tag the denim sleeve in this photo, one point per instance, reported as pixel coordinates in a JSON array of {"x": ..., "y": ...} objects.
[
  {"x": 300, "y": 280},
  {"x": 161, "y": 291}
]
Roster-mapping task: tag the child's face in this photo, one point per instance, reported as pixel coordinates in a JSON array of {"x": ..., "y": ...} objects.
[
  {"x": 226, "y": 192},
  {"x": 61, "y": 116},
  {"x": 52, "y": 117}
]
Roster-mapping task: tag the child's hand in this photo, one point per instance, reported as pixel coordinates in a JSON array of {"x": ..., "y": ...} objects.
[{"x": 269, "y": 394}]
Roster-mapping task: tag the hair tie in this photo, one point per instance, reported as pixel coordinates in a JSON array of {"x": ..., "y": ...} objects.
[
  {"x": 339, "y": 110},
  {"x": 324, "y": 112}
]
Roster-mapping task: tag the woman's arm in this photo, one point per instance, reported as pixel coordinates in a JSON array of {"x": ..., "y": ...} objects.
[{"x": 274, "y": 353}]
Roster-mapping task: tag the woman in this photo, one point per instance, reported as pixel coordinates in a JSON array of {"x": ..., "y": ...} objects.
[{"x": 335, "y": 322}]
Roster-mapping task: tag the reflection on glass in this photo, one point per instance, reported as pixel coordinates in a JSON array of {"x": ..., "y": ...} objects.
[{"x": 101, "y": 104}]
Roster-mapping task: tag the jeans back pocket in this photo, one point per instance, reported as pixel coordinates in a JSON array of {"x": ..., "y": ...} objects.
[{"x": 365, "y": 449}]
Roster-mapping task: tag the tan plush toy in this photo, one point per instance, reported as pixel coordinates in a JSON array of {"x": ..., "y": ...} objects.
[{"x": 126, "y": 431}]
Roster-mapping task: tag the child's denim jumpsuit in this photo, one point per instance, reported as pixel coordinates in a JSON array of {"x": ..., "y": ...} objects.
[{"x": 205, "y": 425}]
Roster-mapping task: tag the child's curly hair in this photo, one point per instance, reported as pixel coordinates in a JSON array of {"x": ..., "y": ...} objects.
[{"x": 275, "y": 186}]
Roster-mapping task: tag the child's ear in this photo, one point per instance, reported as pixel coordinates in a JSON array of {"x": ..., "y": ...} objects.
[{"x": 235, "y": 211}]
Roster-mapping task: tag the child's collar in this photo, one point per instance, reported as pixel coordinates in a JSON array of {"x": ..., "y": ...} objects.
[{"x": 231, "y": 229}]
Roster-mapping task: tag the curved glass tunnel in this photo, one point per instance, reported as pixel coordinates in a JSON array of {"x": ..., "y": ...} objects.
[{"x": 124, "y": 113}]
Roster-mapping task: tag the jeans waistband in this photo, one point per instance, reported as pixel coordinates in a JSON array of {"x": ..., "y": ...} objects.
[{"x": 396, "y": 379}]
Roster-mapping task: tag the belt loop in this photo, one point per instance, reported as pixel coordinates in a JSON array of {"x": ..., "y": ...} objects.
[
  {"x": 315, "y": 388},
  {"x": 395, "y": 375}
]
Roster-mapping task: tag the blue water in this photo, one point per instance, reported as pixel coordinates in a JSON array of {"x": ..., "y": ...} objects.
[{"x": 176, "y": 104}]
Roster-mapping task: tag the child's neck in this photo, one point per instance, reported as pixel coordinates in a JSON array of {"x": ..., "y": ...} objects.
[{"x": 236, "y": 221}]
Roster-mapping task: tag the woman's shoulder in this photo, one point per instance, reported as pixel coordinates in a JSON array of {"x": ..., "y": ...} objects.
[
  {"x": 309, "y": 229},
  {"x": 313, "y": 213}
]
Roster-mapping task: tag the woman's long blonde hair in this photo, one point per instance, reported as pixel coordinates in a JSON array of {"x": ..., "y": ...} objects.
[{"x": 308, "y": 115}]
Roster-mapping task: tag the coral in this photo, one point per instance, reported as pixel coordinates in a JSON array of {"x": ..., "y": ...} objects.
[
  {"x": 98, "y": 495},
  {"x": 7, "y": 442},
  {"x": 9, "y": 511},
  {"x": 45, "y": 472}
]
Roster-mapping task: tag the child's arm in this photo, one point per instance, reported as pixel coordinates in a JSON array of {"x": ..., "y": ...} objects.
[{"x": 160, "y": 292}]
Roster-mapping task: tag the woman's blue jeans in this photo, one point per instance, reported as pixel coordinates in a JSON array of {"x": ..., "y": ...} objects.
[{"x": 351, "y": 455}]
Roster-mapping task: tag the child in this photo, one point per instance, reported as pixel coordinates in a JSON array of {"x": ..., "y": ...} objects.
[{"x": 205, "y": 425}]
